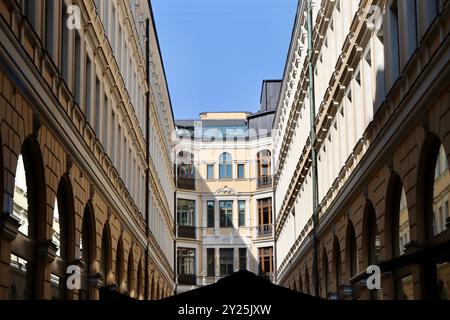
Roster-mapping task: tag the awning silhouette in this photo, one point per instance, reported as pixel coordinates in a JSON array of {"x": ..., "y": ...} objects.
[{"x": 241, "y": 287}]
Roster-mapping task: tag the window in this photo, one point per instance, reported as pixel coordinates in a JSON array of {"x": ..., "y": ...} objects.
[
  {"x": 186, "y": 261},
  {"x": 264, "y": 168},
  {"x": 242, "y": 259},
  {"x": 49, "y": 25},
  {"x": 211, "y": 262},
  {"x": 113, "y": 28},
  {"x": 241, "y": 213},
  {"x": 106, "y": 124},
  {"x": 97, "y": 108},
  {"x": 106, "y": 16},
  {"x": 78, "y": 52},
  {"x": 225, "y": 167},
  {"x": 226, "y": 262},
  {"x": 88, "y": 89},
  {"x": 185, "y": 165},
  {"x": 64, "y": 44},
  {"x": 265, "y": 211},
  {"x": 241, "y": 171},
  {"x": 210, "y": 214},
  {"x": 265, "y": 260},
  {"x": 210, "y": 171},
  {"x": 440, "y": 168},
  {"x": 30, "y": 8},
  {"x": 226, "y": 214},
  {"x": 395, "y": 48},
  {"x": 186, "y": 212}
]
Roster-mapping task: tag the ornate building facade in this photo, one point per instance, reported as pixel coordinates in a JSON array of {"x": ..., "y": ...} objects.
[
  {"x": 225, "y": 194},
  {"x": 86, "y": 172},
  {"x": 362, "y": 150}
]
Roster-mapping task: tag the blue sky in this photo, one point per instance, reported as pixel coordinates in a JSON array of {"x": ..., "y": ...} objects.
[{"x": 217, "y": 52}]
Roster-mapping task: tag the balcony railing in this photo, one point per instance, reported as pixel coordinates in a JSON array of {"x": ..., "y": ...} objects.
[
  {"x": 265, "y": 231},
  {"x": 186, "y": 183},
  {"x": 264, "y": 182},
  {"x": 186, "y": 232},
  {"x": 187, "y": 279}
]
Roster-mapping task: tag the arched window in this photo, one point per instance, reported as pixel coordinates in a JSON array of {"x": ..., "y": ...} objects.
[
  {"x": 87, "y": 248},
  {"x": 441, "y": 191},
  {"x": 62, "y": 237},
  {"x": 225, "y": 166},
  {"x": 337, "y": 266},
  {"x": 433, "y": 198},
  {"x": 119, "y": 265},
  {"x": 105, "y": 258},
  {"x": 371, "y": 240},
  {"x": 264, "y": 168},
  {"x": 21, "y": 268},
  {"x": 352, "y": 250},
  {"x": 29, "y": 208},
  {"x": 130, "y": 273}
]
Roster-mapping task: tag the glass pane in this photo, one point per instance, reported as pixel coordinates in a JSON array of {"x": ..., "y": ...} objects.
[
  {"x": 229, "y": 170},
  {"x": 19, "y": 274},
  {"x": 20, "y": 209},
  {"x": 210, "y": 172},
  {"x": 443, "y": 280},
  {"x": 441, "y": 192},
  {"x": 56, "y": 228},
  {"x": 186, "y": 212},
  {"x": 405, "y": 288},
  {"x": 56, "y": 290},
  {"x": 403, "y": 231}
]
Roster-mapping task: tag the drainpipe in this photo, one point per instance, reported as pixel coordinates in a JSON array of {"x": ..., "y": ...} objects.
[
  {"x": 313, "y": 150},
  {"x": 147, "y": 154}
]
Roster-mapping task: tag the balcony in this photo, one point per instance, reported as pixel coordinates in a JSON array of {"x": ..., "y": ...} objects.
[
  {"x": 187, "y": 279},
  {"x": 186, "y": 232},
  {"x": 186, "y": 183},
  {"x": 264, "y": 182},
  {"x": 265, "y": 231}
]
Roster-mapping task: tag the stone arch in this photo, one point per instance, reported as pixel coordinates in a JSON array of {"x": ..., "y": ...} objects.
[
  {"x": 337, "y": 266},
  {"x": 106, "y": 254},
  {"x": 351, "y": 251},
  {"x": 130, "y": 273},
  {"x": 119, "y": 265},
  {"x": 66, "y": 227},
  {"x": 88, "y": 248},
  {"x": 392, "y": 215},
  {"x": 37, "y": 203},
  {"x": 36, "y": 216},
  {"x": 427, "y": 161},
  {"x": 139, "y": 280},
  {"x": 370, "y": 235}
]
